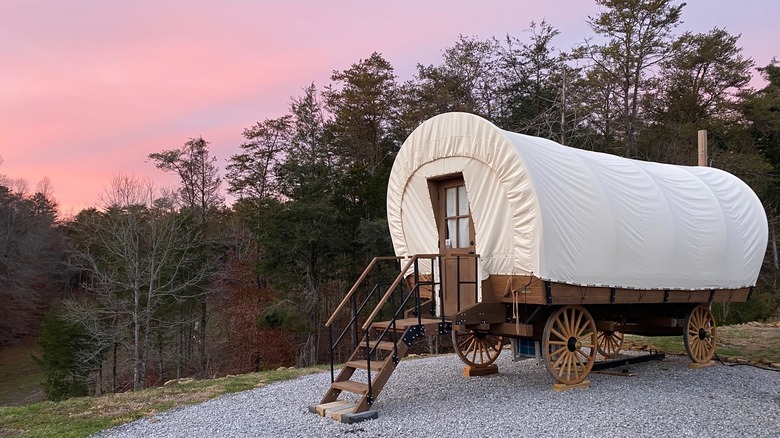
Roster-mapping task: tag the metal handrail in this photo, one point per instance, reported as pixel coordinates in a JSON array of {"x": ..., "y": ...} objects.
[
  {"x": 414, "y": 293},
  {"x": 355, "y": 287},
  {"x": 395, "y": 284}
]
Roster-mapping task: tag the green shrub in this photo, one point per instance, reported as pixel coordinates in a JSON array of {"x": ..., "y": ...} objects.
[
  {"x": 60, "y": 342},
  {"x": 760, "y": 307}
]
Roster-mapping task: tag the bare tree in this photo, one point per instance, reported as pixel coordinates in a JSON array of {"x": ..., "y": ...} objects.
[{"x": 138, "y": 258}]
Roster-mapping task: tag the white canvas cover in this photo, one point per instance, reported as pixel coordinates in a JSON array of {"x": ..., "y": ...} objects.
[{"x": 575, "y": 216}]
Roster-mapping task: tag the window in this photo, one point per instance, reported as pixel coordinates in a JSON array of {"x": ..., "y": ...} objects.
[{"x": 456, "y": 217}]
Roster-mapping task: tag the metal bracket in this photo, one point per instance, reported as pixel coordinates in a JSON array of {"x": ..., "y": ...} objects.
[
  {"x": 712, "y": 295},
  {"x": 445, "y": 328},
  {"x": 412, "y": 333},
  {"x": 612, "y": 295},
  {"x": 548, "y": 291},
  {"x": 666, "y": 295}
]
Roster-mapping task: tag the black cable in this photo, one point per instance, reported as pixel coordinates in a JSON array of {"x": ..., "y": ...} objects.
[{"x": 748, "y": 364}]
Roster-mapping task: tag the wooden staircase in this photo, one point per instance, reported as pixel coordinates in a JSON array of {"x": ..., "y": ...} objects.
[
  {"x": 377, "y": 346},
  {"x": 378, "y": 360}
]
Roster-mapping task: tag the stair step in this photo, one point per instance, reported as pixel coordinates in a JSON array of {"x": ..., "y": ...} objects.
[
  {"x": 402, "y": 324},
  {"x": 351, "y": 386},
  {"x": 376, "y": 365},
  {"x": 381, "y": 345},
  {"x": 335, "y": 410}
]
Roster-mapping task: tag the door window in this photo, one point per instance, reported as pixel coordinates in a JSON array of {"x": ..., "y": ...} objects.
[{"x": 456, "y": 219}]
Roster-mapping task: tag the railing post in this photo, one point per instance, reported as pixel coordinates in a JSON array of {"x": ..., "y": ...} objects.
[
  {"x": 433, "y": 289},
  {"x": 441, "y": 288},
  {"x": 476, "y": 279},
  {"x": 378, "y": 276},
  {"x": 417, "y": 310},
  {"x": 457, "y": 274},
  {"x": 330, "y": 341},
  {"x": 355, "y": 337},
  {"x": 369, "y": 395}
]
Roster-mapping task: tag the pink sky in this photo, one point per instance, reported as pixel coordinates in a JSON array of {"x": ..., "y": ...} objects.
[{"x": 89, "y": 88}]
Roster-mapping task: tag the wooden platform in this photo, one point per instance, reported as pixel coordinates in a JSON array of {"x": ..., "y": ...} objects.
[
  {"x": 470, "y": 371},
  {"x": 558, "y": 387},
  {"x": 343, "y": 412},
  {"x": 695, "y": 365}
]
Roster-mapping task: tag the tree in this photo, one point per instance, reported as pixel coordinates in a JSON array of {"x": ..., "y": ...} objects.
[
  {"x": 251, "y": 173},
  {"x": 467, "y": 80},
  {"x": 200, "y": 180},
  {"x": 30, "y": 257},
  {"x": 639, "y": 37},
  {"x": 363, "y": 105},
  {"x": 534, "y": 84},
  {"x": 200, "y": 191},
  {"x": 696, "y": 88},
  {"x": 138, "y": 259},
  {"x": 61, "y": 341},
  {"x": 761, "y": 110}
]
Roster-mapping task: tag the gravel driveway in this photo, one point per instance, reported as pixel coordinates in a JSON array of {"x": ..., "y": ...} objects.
[{"x": 429, "y": 397}]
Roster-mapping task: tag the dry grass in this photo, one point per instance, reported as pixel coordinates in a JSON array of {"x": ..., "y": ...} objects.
[{"x": 754, "y": 341}]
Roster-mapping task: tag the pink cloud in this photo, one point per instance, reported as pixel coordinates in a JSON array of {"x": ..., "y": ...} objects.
[{"x": 88, "y": 89}]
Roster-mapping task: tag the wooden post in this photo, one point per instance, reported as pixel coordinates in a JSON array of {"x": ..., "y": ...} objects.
[{"x": 703, "y": 147}]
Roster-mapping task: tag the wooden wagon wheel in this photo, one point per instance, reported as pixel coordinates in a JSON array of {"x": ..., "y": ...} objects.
[
  {"x": 569, "y": 344},
  {"x": 610, "y": 342},
  {"x": 700, "y": 338},
  {"x": 477, "y": 349}
]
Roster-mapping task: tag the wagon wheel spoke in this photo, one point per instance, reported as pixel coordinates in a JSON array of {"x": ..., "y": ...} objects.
[
  {"x": 700, "y": 337},
  {"x": 477, "y": 349},
  {"x": 559, "y": 335},
  {"x": 569, "y": 344},
  {"x": 609, "y": 343}
]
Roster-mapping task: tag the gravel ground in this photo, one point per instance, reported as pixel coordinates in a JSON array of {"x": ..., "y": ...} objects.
[{"x": 429, "y": 397}]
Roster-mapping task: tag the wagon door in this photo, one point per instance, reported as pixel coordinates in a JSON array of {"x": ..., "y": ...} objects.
[{"x": 456, "y": 243}]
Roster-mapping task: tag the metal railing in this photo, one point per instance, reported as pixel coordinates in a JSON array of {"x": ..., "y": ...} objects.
[
  {"x": 356, "y": 324},
  {"x": 398, "y": 306}
]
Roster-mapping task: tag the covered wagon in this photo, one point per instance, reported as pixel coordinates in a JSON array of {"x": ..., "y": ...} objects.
[{"x": 502, "y": 235}]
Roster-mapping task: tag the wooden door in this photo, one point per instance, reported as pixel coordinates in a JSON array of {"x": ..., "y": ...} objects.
[{"x": 456, "y": 243}]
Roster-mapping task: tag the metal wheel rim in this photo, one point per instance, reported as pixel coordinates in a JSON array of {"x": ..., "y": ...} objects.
[
  {"x": 700, "y": 337},
  {"x": 477, "y": 349},
  {"x": 570, "y": 362}
]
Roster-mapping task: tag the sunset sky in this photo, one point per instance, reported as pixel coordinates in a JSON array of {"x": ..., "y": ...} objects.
[{"x": 89, "y": 88}]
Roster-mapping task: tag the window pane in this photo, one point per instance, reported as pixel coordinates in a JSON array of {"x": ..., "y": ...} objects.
[
  {"x": 450, "y": 202},
  {"x": 463, "y": 203},
  {"x": 463, "y": 233},
  {"x": 452, "y": 233}
]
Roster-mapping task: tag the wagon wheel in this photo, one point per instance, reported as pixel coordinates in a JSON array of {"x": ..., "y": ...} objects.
[
  {"x": 570, "y": 344},
  {"x": 477, "y": 349},
  {"x": 699, "y": 337},
  {"x": 610, "y": 342}
]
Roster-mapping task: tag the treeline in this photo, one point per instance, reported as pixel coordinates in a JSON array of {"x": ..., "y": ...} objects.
[{"x": 154, "y": 285}]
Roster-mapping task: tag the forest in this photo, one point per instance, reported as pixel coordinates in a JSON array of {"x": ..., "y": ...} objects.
[{"x": 154, "y": 284}]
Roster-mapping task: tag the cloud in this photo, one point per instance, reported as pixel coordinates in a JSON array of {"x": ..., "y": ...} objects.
[{"x": 88, "y": 89}]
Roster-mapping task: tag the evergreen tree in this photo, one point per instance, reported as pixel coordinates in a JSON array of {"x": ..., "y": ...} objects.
[{"x": 61, "y": 343}]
